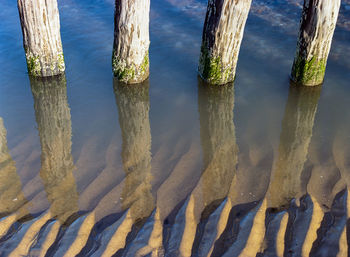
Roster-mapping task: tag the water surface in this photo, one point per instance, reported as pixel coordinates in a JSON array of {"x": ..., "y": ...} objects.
[{"x": 172, "y": 167}]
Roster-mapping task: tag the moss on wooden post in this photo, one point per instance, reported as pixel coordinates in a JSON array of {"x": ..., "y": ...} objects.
[
  {"x": 221, "y": 41},
  {"x": 317, "y": 27},
  {"x": 130, "y": 61},
  {"x": 41, "y": 37}
]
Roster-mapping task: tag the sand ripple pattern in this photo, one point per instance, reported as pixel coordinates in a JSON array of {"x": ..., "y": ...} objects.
[{"x": 251, "y": 200}]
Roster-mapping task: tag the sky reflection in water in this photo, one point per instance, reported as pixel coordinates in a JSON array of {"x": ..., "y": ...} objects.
[{"x": 173, "y": 165}]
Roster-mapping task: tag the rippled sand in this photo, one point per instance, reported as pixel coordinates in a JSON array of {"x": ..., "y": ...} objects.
[{"x": 230, "y": 202}]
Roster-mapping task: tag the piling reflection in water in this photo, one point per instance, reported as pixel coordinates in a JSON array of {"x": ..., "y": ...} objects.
[
  {"x": 250, "y": 201},
  {"x": 220, "y": 156},
  {"x": 241, "y": 226},
  {"x": 218, "y": 140},
  {"x": 328, "y": 189},
  {"x": 55, "y": 131},
  {"x": 287, "y": 197},
  {"x": 54, "y": 125},
  {"x": 341, "y": 153},
  {"x": 133, "y": 108},
  {"x": 11, "y": 195},
  {"x": 286, "y": 180},
  {"x": 136, "y": 197}
]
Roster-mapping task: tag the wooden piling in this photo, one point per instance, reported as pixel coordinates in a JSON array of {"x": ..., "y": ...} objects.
[
  {"x": 222, "y": 36},
  {"x": 317, "y": 27},
  {"x": 130, "y": 61},
  {"x": 41, "y": 37}
]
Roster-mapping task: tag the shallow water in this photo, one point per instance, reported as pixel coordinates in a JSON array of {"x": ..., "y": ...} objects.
[{"x": 173, "y": 167}]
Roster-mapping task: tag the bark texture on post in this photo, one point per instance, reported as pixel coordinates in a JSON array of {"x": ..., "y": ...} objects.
[
  {"x": 41, "y": 37},
  {"x": 55, "y": 131},
  {"x": 130, "y": 60},
  {"x": 221, "y": 40},
  {"x": 318, "y": 22}
]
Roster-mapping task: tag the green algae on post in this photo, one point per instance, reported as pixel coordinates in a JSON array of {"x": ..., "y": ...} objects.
[
  {"x": 221, "y": 41},
  {"x": 213, "y": 70},
  {"x": 41, "y": 39},
  {"x": 132, "y": 73},
  {"x": 130, "y": 61},
  {"x": 309, "y": 73},
  {"x": 33, "y": 65},
  {"x": 318, "y": 22}
]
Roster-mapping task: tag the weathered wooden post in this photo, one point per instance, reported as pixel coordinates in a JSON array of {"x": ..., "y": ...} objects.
[
  {"x": 318, "y": 22},
  {"x": 55, "y": 131},
  {"x": 41, "y": 37},
  {"x": 221, "y": 40},
  {"x": 130, "y": 60}
]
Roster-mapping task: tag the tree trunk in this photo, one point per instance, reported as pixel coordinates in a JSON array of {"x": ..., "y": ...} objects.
[
  {"x": 221, "y": 41},
  {"x": 55, "y": 131},
  {"x": 41, "y": 37},
  {"x": 130, "y": 60},
  {"x": 317, "y": 27}
]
